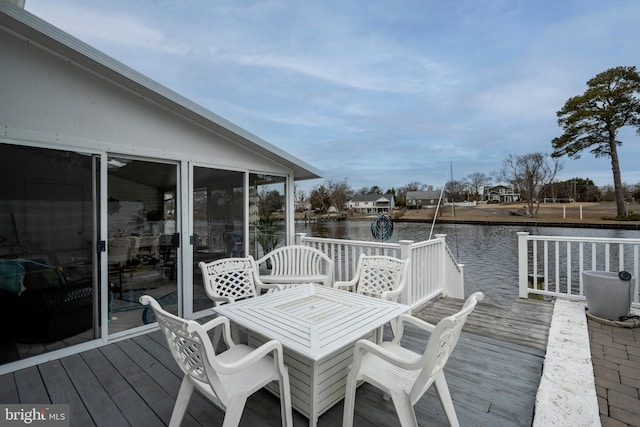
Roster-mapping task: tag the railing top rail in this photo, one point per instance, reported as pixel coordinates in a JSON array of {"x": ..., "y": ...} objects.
[
  {"x": 368, "y": 243},
  {"x": 585, "y": 239},
  {"x": 350, "y": 242}
]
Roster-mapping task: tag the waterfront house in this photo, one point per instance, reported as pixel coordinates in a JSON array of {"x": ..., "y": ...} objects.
[
  {"x": 112, "y": 186},
  {"x": 372, "y": 203},
  {"x": 424, "y": 199},
  {"x": 501, "y": 194}
]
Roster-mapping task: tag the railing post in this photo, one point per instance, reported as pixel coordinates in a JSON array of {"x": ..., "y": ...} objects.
[
  {"x": 405, "y": 248},
  {"x": 460, "y": 283},
  {"x": 442, "y": 267},
  {"x": 407, "y": 252},
  {"x": 523, "y": 264},
  {"x": 452, "y": 286},
  {"x": 299, "y": 237}
]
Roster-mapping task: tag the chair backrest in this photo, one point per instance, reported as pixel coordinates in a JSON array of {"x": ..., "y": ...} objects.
[
  {"x": 441, "y": 344},
  {"x": 190, "y": 346},
  {"x": 298, "y": 260},
  {"x": 229, "y": 279},
  {"x": 118, "y": 250},
  {"x": 151, "y": 243},
  {"x": 135, "y": 246},
  {"x": 377, "y": 274}
]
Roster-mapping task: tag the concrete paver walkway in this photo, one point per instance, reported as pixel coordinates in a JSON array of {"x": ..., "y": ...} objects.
[{"x": 615, "y": 353}]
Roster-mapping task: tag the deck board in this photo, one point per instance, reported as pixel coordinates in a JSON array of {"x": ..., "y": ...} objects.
[
  {"x": 61, "y": 390},
  {"x": 493, "y": 375},
  {"x": 156, "y": 384},
  {"x": 129, "y": 402},
  {"x": 8, "y": 389},
  {"x": 99, "y": 404},
  {"x": 29, "y": 379},
  {"x": 525, "y": 322}
]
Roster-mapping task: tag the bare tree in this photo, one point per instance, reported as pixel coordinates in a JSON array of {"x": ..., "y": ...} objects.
[
  {"x": 477, "y": 181},
  {"x": 299, "y": 194},
  {"x": 340, "y": 192},
  {"x": 457, "y": 190},
  {"x": 413, "y": 186},
  {"x": 530, "y": 175},
  {"x": 320, "y": 198}
]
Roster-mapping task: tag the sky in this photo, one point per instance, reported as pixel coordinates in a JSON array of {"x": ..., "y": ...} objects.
[{"x": 380, "y": 92}]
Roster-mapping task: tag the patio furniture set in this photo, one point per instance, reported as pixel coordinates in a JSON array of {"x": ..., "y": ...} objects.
[{"x": 307, "y": 340}]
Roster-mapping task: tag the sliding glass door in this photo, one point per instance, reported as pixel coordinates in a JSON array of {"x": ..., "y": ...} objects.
[
  {"x": 49, "y": 281},
  {"x": 142, "y": 245},
  {"x": 218, "y": 222},
  {"x": 63, "y": 282}
]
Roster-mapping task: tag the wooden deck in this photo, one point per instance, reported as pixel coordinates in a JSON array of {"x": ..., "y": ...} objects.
[{"x": 493, "y": 375}]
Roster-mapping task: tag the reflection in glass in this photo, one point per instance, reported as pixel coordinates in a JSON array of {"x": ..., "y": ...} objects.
[
  {"x": 267, "y": 213},
  {"x": 141, "y": 247},
  {"x": 218, "y": 222},
  {"x": 47, "y": 297}
]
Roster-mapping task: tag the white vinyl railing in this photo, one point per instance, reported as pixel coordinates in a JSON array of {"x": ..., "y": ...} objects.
[
  {"x": 553, "y": 265},
  {"x": 434, "y": 270}
]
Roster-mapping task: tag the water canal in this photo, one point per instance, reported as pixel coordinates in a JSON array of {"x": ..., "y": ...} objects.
[{"x": 489, "y": 252}]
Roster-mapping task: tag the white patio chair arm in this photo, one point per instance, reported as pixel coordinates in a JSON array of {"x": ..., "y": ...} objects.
[
  {"x": 253, "y": 357},
  {"x": 222, "y": 322},
  {"x": 363, "y": 346},
  {"x": 391, "y": 295},
  {"x": 221, "y": 299},
  {"x": 407, "y": 318},
  {"x": 346, "y": 284},
  {"x": 261, "y": 286}
]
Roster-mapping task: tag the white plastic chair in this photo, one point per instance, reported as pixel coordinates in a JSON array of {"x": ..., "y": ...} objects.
[
  {"x": 227, "y": 378},
  {"x": 379, "y": 276},
  {"x": 229, "y": 279},
  {"x": 405, "y": 375},
  {"x": 297, "y": 264}
]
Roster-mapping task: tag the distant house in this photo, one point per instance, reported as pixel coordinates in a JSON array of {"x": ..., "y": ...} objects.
[
  {"x": 301, "y": 206},
  {"x": 372, "y": 203},
  {"x": 420, "y": 199},
  {"x": 500, "y": 193}
]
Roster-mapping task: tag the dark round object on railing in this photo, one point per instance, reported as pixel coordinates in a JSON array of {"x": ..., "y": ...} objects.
[
  {"x": 382, "y": 227},
  {"x": 624, "y": 275}
]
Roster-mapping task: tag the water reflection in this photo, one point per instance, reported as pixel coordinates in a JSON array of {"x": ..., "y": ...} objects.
[{"x": 489, "y": 252}]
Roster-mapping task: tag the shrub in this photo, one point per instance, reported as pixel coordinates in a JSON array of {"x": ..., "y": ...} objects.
[{"x": 631, "y": 216}]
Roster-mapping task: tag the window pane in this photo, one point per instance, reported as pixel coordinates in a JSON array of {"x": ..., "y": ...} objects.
[
  {"x": 47, "y": 298},
  {"x": 267, "y": 213},
  {"x": 218, "y": 222},
  {"x": 142, "y": 257}
]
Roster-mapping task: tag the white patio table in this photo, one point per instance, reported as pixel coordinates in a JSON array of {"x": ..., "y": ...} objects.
[{"x": 318, "y": 327}]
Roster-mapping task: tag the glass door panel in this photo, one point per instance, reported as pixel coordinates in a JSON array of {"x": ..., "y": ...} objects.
[
  {"x": 49, "y": 293},
  {"x": 267, "y": 213},
  {"x": 142, "y": 245},
  {"x": 218, "y": 222}
]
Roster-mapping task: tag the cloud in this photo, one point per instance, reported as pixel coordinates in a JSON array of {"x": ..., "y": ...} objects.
[
  {"x": 388, "y": 91},
  {"x": 112, "y": 26}
]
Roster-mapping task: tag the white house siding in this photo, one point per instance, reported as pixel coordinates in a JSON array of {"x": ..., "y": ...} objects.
[{"x": 47, "y": 98}]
